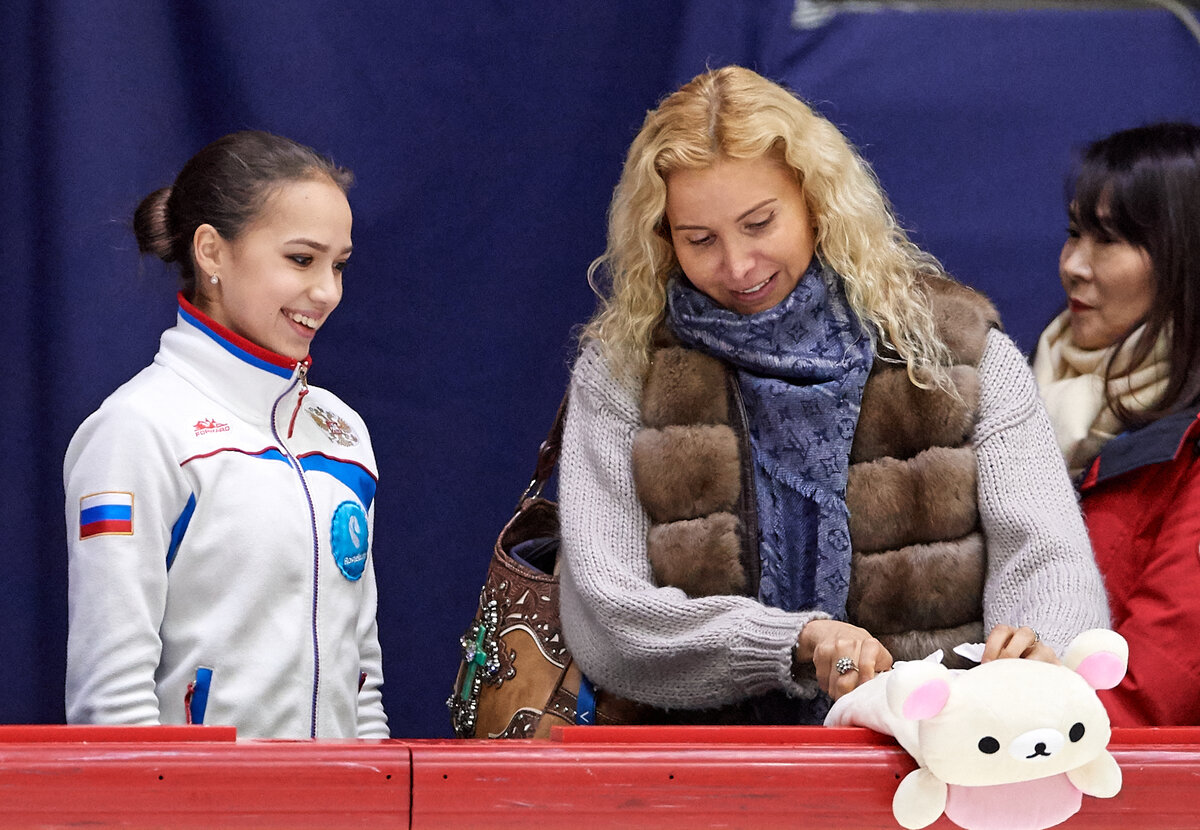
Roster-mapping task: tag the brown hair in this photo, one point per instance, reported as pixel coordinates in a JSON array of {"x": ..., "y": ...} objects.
[{"x": 225, "y": 185}]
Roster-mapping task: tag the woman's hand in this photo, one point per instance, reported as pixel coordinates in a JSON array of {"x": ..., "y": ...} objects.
[
  {"x": 825, "y": 642},
  {"x": 1006, "y": 641}
]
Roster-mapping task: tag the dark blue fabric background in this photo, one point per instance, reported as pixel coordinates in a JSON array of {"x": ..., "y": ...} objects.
[{"x": 486, "y": 136}]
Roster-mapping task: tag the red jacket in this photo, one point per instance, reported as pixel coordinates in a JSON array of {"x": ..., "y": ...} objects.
[{"x": 1141, "y": 502}]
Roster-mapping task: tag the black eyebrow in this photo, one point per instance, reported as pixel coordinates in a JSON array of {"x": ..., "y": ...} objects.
[{"x": 320, "y": 246}]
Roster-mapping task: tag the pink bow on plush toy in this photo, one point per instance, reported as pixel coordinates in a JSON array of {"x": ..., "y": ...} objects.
[{"x": 1007, "y": 745}]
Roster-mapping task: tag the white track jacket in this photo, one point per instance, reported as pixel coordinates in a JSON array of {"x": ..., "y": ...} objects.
[{"x": 219, "y": 524}]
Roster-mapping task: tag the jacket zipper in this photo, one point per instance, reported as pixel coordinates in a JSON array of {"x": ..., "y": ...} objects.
[
  {"x": 300, "y": 399},
  {"x": 312, "y": 517}
]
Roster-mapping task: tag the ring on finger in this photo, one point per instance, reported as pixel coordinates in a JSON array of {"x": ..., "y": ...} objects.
[{"x": 845, "y": 664}]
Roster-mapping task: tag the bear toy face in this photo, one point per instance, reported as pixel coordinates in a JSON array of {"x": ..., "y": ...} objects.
[
  {"x": 1005, "y": 745},
  {"x": 1010, "y": 721}
]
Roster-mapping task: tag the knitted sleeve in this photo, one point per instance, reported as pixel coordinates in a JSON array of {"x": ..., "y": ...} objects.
[
  {"x": 1041, "y": 572},
  {"x": 648, "y": 643}
]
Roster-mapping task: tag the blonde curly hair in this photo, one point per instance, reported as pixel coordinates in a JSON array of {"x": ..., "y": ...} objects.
[{"x": 733, "y": 112}]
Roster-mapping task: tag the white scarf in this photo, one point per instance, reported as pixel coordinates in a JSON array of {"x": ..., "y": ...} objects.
[{"x": 1071, "y": 381}]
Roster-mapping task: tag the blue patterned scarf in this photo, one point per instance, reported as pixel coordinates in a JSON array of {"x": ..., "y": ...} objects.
[{"x": 801, "y": 367}]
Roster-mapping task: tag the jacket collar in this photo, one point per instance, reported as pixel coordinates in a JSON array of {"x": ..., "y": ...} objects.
[
  {"x": 1157, "y": 442},
  {"x": 235, "y": 372}
]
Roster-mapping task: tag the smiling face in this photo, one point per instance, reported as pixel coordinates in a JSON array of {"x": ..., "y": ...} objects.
[
  {"x": 281, "y": 278},
  {"x": 1109, "y": 284},
  {"x": 742, "y": 231}
]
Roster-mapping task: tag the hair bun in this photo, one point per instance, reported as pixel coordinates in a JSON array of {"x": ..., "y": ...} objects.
[{"x": 152, "y": 226}]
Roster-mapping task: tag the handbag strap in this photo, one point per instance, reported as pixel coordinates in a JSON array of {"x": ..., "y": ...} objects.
[{"x": 547, "y": 457}]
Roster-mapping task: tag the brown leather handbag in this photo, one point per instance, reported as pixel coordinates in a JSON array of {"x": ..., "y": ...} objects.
[{"x": 517, "y": 678}]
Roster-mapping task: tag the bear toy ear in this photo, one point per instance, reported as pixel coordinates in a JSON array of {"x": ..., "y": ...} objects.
[
  {"x": 918, "y": 690},
  {"x": 1099, "y": 656}
]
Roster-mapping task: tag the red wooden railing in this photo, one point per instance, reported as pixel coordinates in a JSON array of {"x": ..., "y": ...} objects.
[{"x": 584, "y": 777}]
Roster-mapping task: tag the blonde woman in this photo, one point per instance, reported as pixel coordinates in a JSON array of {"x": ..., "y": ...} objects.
[{"x": 795, "y": 450}]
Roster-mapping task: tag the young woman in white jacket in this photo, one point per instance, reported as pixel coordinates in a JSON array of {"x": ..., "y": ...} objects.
[{"x": 219, "y": 508}]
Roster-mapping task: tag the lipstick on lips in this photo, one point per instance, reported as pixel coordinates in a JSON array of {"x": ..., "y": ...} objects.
[{"x": 1078, "y": 305}]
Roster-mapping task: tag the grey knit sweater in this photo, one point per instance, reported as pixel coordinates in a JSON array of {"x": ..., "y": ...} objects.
[{"x": 658, "y": 646}]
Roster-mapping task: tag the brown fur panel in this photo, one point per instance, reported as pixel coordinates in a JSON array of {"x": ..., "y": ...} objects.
[
  {"x": 684, "y": 386},
  {"x": 686, "y": 472},
  {"x": 927, "y": 498},
  {"x": 899, "y": 419},
  {"x": 662, "y": 336},
  {"x": 921, "y": 586},
  {"x": 699, "y": 556},
  {"x": 917, "y": 645},
  {"x": 963, "y": 317}
]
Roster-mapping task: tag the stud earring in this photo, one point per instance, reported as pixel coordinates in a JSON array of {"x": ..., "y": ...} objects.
[{"x": 214, "y": 279}]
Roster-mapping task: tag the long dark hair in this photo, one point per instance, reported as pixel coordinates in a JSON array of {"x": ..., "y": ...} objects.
[
  {"x": 1142, "y": 186},
  {"x": 225, "y": 185}
]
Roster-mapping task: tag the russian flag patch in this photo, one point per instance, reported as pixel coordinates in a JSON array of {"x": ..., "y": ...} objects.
[{"x": 106, "y": 514}]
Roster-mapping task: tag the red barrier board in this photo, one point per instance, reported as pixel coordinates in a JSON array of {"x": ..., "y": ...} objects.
[
  {"x": 585, "y": 777},
  {"x": 747, "y": 777},
  {"x": 105, "y": 780}
]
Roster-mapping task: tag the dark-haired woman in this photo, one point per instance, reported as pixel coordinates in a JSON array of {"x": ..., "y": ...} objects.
[
  {"x": 1120, "y": 373},
  {"x": 219, "y": 508}
]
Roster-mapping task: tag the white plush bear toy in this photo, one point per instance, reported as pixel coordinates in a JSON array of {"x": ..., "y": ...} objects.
[{"x": 1007, "y": 745}]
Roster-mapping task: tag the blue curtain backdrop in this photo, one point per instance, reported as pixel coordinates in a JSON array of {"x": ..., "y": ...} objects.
[{"x": 486, "y": 136}]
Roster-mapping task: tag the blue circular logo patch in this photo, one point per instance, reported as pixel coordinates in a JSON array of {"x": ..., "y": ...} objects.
[{"x": 348, "y": 536}]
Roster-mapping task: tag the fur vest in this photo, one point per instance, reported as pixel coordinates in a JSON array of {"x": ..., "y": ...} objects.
[{"x": 919, "y": 557}]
